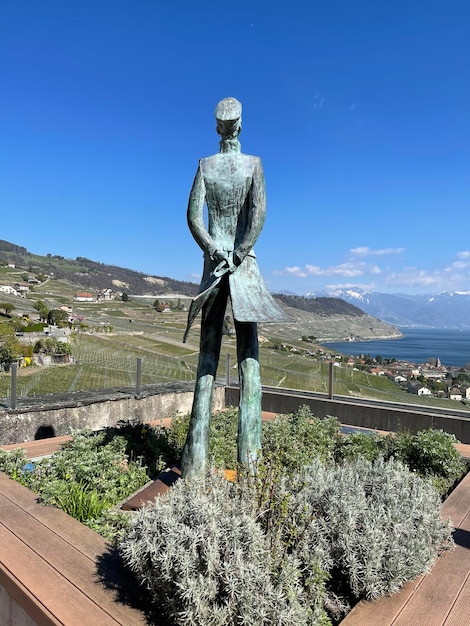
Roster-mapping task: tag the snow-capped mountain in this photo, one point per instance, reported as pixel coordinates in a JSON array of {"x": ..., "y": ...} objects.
[{"x": 442, "y": 310}]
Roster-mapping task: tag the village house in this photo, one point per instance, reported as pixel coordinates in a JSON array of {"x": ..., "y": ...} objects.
[
  {"x": 455, "y": 394},
  {"x": 434, "y": 374},
  {"x": 84, "y": 296},
  {"x": 9, "y": 290},
  {"x": 378, "y": 371},
  {"x": 465, "y": 391},
  {"x": 400, "y": 379},
  {"x": 419, "y": 389},
  {"x": 105, "y": 294}
]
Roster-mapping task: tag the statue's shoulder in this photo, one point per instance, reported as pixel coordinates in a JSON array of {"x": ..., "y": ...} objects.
[{"x": 221, "y": 158}]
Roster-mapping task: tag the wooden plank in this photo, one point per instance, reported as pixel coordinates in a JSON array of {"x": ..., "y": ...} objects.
[
  {"x": 39, "y": 447},
  {"x": 21, "y": 596},
  {"x": 56, "y": 600},
  {"x": 77, "y": 569},
  {"x": 381, "y": 612},
  {"x": 157, "y": 487},
  {"x": 438, "y": 591},
  {"x": 459, "y": 614},
  {"x": 456, "y": 505},
  {"x": 69, "y": 529}
]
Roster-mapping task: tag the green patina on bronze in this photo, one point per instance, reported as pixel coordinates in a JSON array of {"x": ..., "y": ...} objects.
[{"x": 231, "y": 184}]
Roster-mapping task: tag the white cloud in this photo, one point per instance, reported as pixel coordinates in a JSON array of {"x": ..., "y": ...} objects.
[
  {"x": 366, "y": 251},
  {"x": 455, "y": 276},
  {"x": 343, "y": 286},
  {"x": 412, "y": 277},
  {"x": 449, "y": 278},
  {"x": 345, "y": 269}
]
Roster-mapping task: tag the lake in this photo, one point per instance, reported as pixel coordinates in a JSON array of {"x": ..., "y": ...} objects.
[{"x": 451, "y": 346}]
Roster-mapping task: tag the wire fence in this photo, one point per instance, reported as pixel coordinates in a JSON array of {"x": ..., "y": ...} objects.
[{"x": 98, "y": 368}]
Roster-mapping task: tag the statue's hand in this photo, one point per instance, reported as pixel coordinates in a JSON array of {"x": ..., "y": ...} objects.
[{"x": 224, "y": 261}]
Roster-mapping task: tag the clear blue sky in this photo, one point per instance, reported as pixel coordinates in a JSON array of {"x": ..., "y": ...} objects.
[{"x": 360, "y": 110}]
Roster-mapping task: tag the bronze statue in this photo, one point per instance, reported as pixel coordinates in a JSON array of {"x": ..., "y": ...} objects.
[{"x": 231, "y": 184}]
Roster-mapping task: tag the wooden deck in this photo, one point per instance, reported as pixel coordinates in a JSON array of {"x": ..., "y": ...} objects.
[{"x": 46, "y": 556}]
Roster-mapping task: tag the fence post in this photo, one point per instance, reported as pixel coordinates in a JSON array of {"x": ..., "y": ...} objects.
[
  {"x": 138, "y": 385},
  {"x": 330, "y": 380},
  {"x": 227, "y": 371},
  {"x": 14, "y": 371}
]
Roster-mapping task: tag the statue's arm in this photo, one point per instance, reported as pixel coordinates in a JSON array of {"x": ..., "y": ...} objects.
[
  {"x": 195, "y": 215},
  {"x": 256, "y": 216}
]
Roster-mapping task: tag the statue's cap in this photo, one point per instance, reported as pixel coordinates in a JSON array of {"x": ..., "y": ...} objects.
[{"x": 228, "y": 109}]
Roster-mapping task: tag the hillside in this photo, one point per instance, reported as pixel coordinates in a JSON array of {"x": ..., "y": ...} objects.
[
  {"x": 90, "y": 275},
  {"x": 327, "y": 319}
]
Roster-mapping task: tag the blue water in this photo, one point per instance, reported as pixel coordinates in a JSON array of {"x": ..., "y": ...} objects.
[{"x": 451, "y": 346}]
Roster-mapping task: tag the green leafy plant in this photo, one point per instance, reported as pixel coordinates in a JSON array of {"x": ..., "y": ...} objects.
[
  {"x": 87, "y": 477},
  {"x": 299, "y": 437},
  {"x": 222, "y": 437},
  {"x": 145, "y": 442},
  {"x": 14, "y": 464},
  {"x": 368, "y": 445},
  {"x": 433, "y": 453},
  {"x": 80, "y": 501}
]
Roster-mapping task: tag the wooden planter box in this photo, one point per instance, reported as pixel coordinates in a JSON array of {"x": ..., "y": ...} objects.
[{"x": 52, "y": 568}]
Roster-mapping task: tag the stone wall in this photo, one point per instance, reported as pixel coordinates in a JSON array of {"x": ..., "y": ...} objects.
[
  {"x": 391, "y": 419},
  {"x": 57, "y": 414}
]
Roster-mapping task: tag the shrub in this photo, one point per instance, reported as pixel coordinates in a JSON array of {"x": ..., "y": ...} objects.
[
  {"x": 85, "y": 478},
  {"x": 222, "y": 437},
  {"x": 280, "y": 548},
  {"x": 145, "y": 442},
  {"x": 204, "y": 559},
  {"x": 14, "y": 463},
  {"x": 433, "y": 453},
  {"x": 92, "y": 462},
  {"x": 381, "y": 522},
  {"x": 295, "y": 439},
  {"x": 368, "y": 445}
]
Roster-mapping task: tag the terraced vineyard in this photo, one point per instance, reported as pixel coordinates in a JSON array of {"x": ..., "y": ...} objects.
[{"x": 108, "y": 359}]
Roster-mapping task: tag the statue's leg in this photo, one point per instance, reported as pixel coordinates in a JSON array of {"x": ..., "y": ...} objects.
[
  {"x": 196, "y": 449},
  {"x": 249, "y": 415}
]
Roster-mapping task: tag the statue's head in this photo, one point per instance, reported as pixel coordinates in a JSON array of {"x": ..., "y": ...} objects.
[{"x": 228, "y": 114}]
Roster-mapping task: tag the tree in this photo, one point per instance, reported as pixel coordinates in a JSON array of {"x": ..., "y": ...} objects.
[
  {"x": 8, "y": 307},
  {"x": 10, "y": 348},
  {"x": 51, "y": 345},
  {"x": 125, "y": 297},
  {"x": 63, "y": 348},
  {"x": 43, "y": 310},
  {"x": 57, "y": 317},
  {"x": 158, "y": 306}
]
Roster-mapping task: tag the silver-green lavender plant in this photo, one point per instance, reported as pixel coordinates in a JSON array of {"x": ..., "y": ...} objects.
[
  {"x": 205, "y": 561},
  {"x": 382, "y": 523},
  {"x": 283, "y": 549}
]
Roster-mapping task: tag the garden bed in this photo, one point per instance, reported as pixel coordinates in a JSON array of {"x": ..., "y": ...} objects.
[{"x": 309, "y": 569}]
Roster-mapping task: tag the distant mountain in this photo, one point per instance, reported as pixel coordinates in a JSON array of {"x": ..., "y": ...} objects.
[
  {"x": 442, "y": 310},
  {"x": 320, "y": 305}
]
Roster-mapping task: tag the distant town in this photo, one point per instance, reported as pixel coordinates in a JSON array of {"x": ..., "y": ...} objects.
[{"x": 431, "y": 379}]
